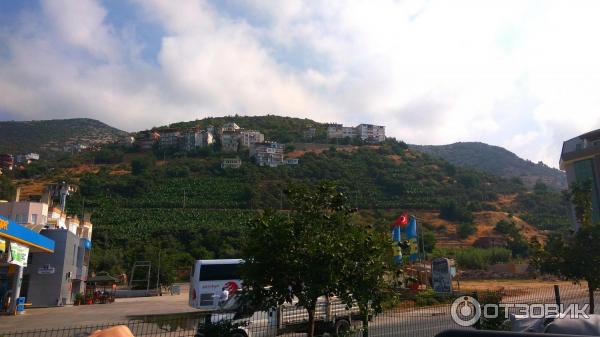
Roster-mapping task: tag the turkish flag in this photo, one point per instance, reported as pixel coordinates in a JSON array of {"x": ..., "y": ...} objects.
[{"x": 402, "y": 220}]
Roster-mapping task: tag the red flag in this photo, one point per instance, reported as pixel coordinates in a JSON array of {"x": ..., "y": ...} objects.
[{"x": 402, "y": 220}]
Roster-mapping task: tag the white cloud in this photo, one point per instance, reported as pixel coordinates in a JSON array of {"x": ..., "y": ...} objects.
[
  {"x": 80, "y": 23},
  {"x": 521, "y": 74}
]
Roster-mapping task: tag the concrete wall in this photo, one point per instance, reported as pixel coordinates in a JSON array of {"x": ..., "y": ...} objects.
[
  {"x": 22, "y": 211},
  {"x": 59, "y": 288}
]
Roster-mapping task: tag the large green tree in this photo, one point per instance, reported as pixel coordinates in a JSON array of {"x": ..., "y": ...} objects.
[
  {"x": 314, "y": 250},
  {"x": 575, "y": 255}
]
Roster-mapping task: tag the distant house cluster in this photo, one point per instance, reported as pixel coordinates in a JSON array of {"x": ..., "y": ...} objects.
[
  {"x": 8, "y": 162},
  {"x": 229, "y": 138},
  {"x": 366, "y": 132}
]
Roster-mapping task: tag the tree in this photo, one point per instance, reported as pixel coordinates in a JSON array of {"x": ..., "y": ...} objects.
[
  {"x": 452, "y": 211},
  {"x": 464, "y": 230},
  {"x": 580, "y": 196},
  {"x": 575, "y": 256},
  {"x": 7, "y": 188},
  {"x": 139, "y": 165},
  {"x": 429, "y": 241},
  {"x": 364, "y": 270},
  {"x": 311, "y": 252}
]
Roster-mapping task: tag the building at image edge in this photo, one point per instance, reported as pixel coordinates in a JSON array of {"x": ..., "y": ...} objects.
[{"x": 580, "y": 159}]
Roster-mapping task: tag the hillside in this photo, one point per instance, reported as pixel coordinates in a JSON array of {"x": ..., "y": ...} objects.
[
  {"x": 188, "y": 206},
  {"x": 50, "y": 136},
  {"x": 192, "y": 208},
  {"x": 498, "y": 161},
  {"x": 275, "y": 128}
]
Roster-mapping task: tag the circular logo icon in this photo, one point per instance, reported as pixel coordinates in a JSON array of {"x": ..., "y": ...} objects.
[
  {"x": 465, "y": 311},
  {"x": 232, "y": 287}
]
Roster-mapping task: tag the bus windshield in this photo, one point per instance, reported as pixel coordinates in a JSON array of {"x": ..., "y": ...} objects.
[{"x": 215, "y": 272}]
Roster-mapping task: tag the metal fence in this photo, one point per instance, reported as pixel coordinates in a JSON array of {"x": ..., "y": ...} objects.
[{"x": 412, "y": 315}]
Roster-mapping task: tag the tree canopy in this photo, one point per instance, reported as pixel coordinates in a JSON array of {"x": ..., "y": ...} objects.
[{"x": 314, "y": 250}]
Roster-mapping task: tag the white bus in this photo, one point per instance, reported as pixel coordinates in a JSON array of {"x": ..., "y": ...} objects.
[{"x": 209, "y": 277}]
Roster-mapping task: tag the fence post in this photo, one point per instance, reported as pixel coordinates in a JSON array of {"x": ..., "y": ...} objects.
[
  {"x": 478, "y": 323},
  {"x": 557, "y": 295}
]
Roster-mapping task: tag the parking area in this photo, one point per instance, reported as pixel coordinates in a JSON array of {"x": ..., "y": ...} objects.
[{"x": 120, "y": 310}]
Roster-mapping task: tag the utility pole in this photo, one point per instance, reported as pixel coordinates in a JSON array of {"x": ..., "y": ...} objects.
[{"x": 158, "y": 274}]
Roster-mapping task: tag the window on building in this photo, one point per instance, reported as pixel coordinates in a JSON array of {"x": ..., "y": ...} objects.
[
  {"x": 34, "y": 218},
  {"x": 584, "y": 170}
]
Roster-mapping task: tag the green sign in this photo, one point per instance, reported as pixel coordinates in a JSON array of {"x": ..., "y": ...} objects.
[{"x": 19, "y": 254}]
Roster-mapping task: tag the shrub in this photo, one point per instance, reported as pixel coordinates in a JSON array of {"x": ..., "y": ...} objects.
[
  {"x": 108, "y": 156},
  {"x": 429, "y": 241},
  {"x": 427, "y": 297},
  {"x": 506, "y": 227},
  {"x": 475, "y": 258},
  {"x": 431, "y": 297},
  {"x": 177, "y": 171},
  {"x": 464, "y": 230},
  {"x": 451, "y": 211},
  {"x": 140, "y": 165},
  {"x": 491, "y": 297}
]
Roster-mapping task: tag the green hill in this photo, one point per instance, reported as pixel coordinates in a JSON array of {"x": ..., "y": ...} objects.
[
  {"x": 498, "y": 161},
  {"x": 50, "y": 136},
  {"x": 192, "y": 208},
  {"x": 188, "y": 207}
]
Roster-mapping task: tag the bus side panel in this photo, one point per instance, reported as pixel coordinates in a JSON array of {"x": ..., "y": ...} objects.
[{"x": 194, "y": 291}]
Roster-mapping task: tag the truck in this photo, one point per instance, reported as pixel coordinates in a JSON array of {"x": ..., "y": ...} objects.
[{"x": 236, "y": 320}]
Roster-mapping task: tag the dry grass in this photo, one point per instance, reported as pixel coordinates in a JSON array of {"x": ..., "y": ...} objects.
[{"x": 533, "y": 284}]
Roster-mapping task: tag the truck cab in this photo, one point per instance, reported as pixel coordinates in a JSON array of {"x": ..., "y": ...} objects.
[{"x": 331, "y": 316}]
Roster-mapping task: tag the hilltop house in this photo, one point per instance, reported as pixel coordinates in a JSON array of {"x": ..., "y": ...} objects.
[
  {"x": 145, "y": 140},
  {"x": 230, "y": 127},
  {"x": 234, "y": 163},
  {"x": 249, "y": 137},
  {"x": 338, "y": 131},
  {"x": 371, "y": 133},
  {"x": 169, "y": 138},
  {"x": 309, "y": 132},
  {"x": 366, "y": 132},
  {"x": 195, "y": 138},
  {"x": 7, "y": 162},
  {"x": 292, "y": 161},
  {"x": 27, "y": 158},
  {"x": 230, "y": 141},
  {"x": 267, "y": 153}
]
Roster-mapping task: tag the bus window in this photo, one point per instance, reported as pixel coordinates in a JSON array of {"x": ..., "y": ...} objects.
[{"x": 215, "y": 272}]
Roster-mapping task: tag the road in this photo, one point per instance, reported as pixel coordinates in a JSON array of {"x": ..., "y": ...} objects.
[{"x": 416, "y": 322}]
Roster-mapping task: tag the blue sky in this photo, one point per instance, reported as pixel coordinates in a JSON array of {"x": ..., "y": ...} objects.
[{"x": 518, "y": 74}]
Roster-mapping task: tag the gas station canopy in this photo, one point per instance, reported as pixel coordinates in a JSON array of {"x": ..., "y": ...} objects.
[{"x": 14, "y": 232}]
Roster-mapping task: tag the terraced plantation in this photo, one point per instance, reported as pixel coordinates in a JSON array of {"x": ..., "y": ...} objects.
[{"x": 189, "y": 208}]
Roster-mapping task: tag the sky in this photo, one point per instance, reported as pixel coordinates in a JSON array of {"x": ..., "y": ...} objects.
[{"x": 520, "y": 74}]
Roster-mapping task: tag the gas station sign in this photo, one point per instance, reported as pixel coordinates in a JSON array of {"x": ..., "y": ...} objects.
[{"x": 19, "y": 254}]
